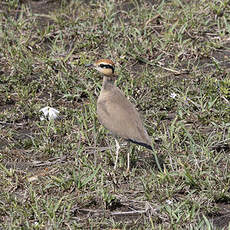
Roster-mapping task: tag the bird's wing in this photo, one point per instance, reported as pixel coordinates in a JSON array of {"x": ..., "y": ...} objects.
[{"x": 118, "y": 115}]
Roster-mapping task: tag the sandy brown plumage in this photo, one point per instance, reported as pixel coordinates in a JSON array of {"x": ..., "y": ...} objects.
[{"x": 116, "y": 113}]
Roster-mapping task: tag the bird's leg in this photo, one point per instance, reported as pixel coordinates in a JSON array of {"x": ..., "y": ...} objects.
[
  {"x": 128, "y": 162},
  {"x": 117, "y": 152}
]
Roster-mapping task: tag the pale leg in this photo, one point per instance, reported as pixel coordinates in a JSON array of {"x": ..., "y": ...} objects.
[
  {"x": 127, "y": 170},
  {"x": 117, "y": 152}
]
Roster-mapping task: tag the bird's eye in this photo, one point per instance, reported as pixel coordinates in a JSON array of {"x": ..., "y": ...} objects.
[
  {"x": 103, "y": 66},
  {"x": 107, "y": 66}
]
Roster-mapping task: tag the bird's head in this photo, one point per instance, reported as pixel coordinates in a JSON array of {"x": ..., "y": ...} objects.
[{"x": 104, "y": 66}]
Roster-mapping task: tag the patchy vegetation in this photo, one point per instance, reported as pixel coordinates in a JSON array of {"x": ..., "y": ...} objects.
[{"x": 173, "y": 63}]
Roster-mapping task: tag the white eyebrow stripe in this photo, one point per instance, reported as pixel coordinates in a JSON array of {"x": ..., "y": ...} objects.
[{"x": 104, "y": 63}]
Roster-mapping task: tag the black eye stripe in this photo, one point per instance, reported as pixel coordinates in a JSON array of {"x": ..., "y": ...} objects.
[{"x": 105, "y": 66}]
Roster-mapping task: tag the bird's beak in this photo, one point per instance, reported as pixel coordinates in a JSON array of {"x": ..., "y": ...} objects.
[{"x": 89, "y": 65}]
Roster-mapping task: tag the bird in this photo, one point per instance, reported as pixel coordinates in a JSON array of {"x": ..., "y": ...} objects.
[{"x": 116, "y": 113}]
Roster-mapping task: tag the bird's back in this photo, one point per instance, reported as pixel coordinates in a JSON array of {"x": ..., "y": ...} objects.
[{"x": 118, "y": 115}]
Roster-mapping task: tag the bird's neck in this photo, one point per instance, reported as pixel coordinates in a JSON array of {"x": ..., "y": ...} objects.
[{"x": 108, "y": 82}]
